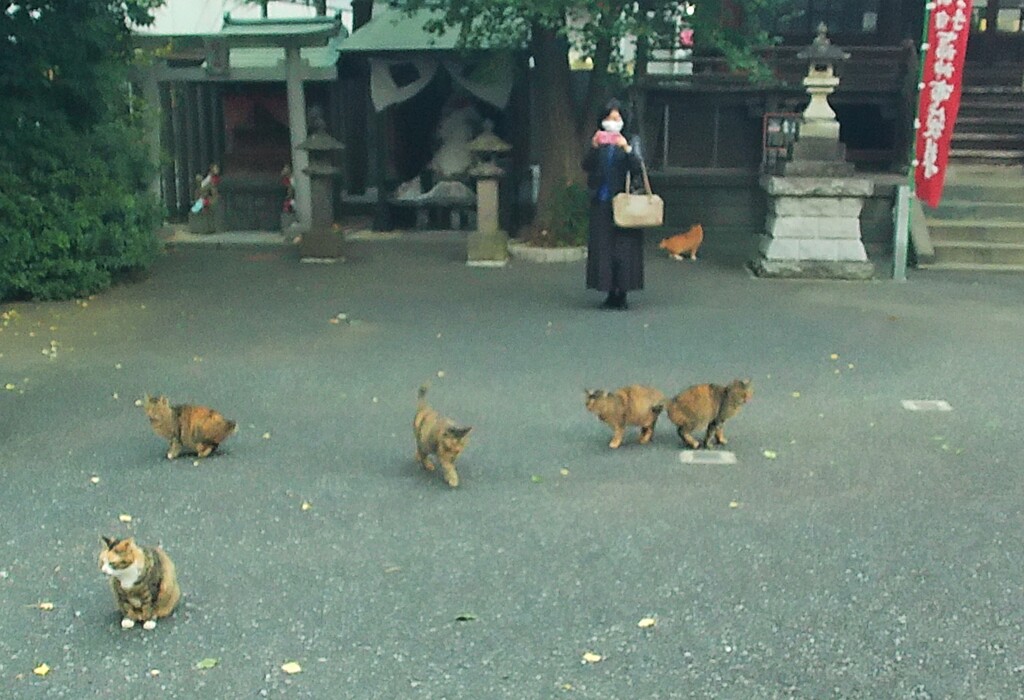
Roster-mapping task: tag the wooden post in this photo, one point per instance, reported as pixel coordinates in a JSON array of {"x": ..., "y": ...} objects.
[{"x": 297, "y": 131}]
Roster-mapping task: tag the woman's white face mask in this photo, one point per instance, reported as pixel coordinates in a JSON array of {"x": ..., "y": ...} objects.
[{"x": 612, "y": 125}]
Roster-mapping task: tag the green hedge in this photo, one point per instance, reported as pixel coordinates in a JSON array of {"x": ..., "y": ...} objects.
[{"x": 75, "y": 213}]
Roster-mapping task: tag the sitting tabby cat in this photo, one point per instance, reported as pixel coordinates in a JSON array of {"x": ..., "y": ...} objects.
[
  {"x": 437, "y": 435},
  {"x": 188, "y": 428},
  {"x": 143, "y": 580},
  {"x": 629, "y": 405},
  {"x": 710, "y": 405}
]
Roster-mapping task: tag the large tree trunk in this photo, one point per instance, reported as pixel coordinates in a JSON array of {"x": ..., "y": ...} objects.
[{"x": 561, "y": 146}]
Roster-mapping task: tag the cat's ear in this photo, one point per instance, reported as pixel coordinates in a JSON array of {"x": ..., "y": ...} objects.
[
  {"x": 109, "y": 542},
  {"x": 459, "y": 433},
  {"x": 592, "y": 393}
]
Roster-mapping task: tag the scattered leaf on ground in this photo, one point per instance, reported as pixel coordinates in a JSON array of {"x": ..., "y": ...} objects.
[
  {"x": 306, "y": 505},
  {"x": 95, "y": 479},
  {"x": 333, "y": 320},
  {"x": 563, "y": 471},
  {"x": 796, "y": 394},
  {"x": 591, "y": 658},
  {"x": 154, "y": 672},
  {"x": 734, "y": 504},
  {"x": 375, "y": 399},
  {"x": 9, "y": 386},
  {"x": 138, "y": 402},
  {"x": 440, "y": 374},
  {"x": 465, "y": 617},
  {"x": 770, "y": 454},
  {"x": 45, "y": 606},
  {"x": 646, "y": 622},
  {"x": 207, "y": 663},
  {"x": 291, "y": 668},
  {"x": 392, "y": 569},
  {"x": 117, "y": 365},
  {"x": 536, "y": 478},
  {"x": 41, "y": 670},
  {"x": 266, "y": 436},
  {"x": 834, "y": 356},
  {"x": 116, "y": 397},
  {"x": 124, "y": 518}
]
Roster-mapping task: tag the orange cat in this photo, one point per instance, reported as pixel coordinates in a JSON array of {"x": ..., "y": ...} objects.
[
  {"x": 631, "y": 405},
  {"x": 710, "y": 405},
  {"x": 143, "y": 579},
  {"x": 683, "y": 243},
  {"x": 188, "y": 428}
]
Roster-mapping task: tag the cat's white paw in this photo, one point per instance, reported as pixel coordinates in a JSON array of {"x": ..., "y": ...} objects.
[
  {"x": 149, "y": 625},
  {"x": 677, "y": 257},
  {"x": 127, "y": 623}
]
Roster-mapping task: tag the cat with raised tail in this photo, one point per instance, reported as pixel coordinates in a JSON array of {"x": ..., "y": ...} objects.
[
  {"x": 438, "y": 436},
  {"x": 144, "y": 581},
  {"x": 708, "y": 405},
  {"x": 193, "y": 429},
  {"x": 686, "y": 243},
  {"x": 629, "y": 405}
]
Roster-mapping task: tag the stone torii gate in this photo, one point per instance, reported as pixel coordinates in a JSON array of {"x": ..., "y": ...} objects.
[{"x": 206, "y": 59}]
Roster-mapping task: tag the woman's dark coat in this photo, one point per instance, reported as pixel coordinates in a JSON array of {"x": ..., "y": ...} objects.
[{"x": 615, "y": 256}]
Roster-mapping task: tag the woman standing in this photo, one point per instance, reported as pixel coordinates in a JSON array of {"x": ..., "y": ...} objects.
[{"x": 615, "y": 256}]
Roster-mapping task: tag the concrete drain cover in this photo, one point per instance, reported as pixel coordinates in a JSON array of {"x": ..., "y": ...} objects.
[
  {"x": 707, "y": 457},
  {"x": 926, "y": 405}
]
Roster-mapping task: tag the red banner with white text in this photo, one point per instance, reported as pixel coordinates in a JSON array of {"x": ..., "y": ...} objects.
[{"x": 949, "y": 25}]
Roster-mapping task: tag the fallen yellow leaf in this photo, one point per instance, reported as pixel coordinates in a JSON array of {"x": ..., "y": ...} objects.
[
  {"x": 796, "y": 394},
  {"x": 41, "y": 670},
  {"x": 124, "y": 518},
  {"x": 9, "y": 386},
  {"x": 266, "y": 436},
  {"x": 834, "y": 356},
  {"x": 45, "y": 606},
  {"x": 154, "y": 672},
  {"x": 646, "y": 622},
  {"x": 563, "y": 471},
  {"x": 95, "y": 480},
  {"x": 734, "y": 504},
  {"x": 291, "y": 668},
  {"x": 306, "y": 505},
  {"x": 770, "y": 454},
  {"x": 440, "y": 374},
  {"x": 591, "y": 658}
]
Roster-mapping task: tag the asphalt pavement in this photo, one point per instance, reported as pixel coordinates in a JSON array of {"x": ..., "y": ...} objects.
[{"x": 855, "y": 549}]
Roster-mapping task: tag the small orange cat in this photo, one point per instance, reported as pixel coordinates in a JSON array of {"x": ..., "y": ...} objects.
[
  {"x": 710, "y": 405},
  {"x": 144, "y": 581},
  {"x": 629, "y": 405},
  {"x": 188, "y": 428},
  {"x": 683, "y": 243},
  {"x": 437, "y": 435}
]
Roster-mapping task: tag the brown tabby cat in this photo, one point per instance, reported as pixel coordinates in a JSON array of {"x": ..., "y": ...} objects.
[
  {"x": 629, "y": 405},
  {"x": 710, "y": 405},
  {"x": 143, "y": 580},
  {"x": 188, "y": 428},
  {"x": 437, "y": 435}
]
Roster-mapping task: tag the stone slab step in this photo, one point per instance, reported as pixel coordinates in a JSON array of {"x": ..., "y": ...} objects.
[
  {"x": 980, "y": 211},
  {"x": 982, "y": 125},
  {"x": 971, "y": 90},
  {"x": 972, "y": 267},
  {"x": 987, "y": 156},
  {"x": 1009, "y": 140},
  {"x": 979, "y": 253},
  {"x": 973, "y": 230}
]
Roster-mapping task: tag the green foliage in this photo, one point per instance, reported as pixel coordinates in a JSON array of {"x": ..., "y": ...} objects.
[
  {"x": 570, "y": 218},
  {"x": 74, "y": 211}
]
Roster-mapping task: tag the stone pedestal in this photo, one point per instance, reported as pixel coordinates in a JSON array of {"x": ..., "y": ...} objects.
[
  {"x": 322, "y": 241},
  {"x": 487, "y": 246},
  {"x": 813, "y": 228}
]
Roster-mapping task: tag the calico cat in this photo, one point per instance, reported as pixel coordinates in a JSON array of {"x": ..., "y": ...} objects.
[
  {"x": 710, "y": 405},
  {"x": 440, "y": 436},
  {"x": 188, "y": 428},
  {"x": 684, "y": 243},
  {"x": 629, "y": 405},
  {"x": 143, "y": 579}
]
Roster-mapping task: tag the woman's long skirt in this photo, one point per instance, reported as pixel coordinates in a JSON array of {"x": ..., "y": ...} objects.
[{"x": 615, "y": 256}]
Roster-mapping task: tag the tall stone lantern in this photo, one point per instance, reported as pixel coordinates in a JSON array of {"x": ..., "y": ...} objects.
[
  {"x": 813, "y": 223},
  {"x": 487, "y": 246},
  {"x": 321, "y": 242}
]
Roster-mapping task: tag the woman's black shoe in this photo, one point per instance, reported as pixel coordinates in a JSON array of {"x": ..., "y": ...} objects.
[{"x": 611, "y": 301}]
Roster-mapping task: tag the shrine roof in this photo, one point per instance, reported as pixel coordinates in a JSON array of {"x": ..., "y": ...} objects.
[{"x": 394, "y": 30}]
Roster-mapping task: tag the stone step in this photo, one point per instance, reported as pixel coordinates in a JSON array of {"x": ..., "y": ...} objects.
[
  {"x": 972, "y": 230},
  {"x": 1006, "y": 124},
  {"x": 980, "y": 156},
  {"x": 979, "y": 210},
  {"x": 970, "y": 91},
  {"x": 990, "y": 110},
  {"x": 988, "y": 140},
  {"x": 978, "y": 192},
  {"x": 979, "y": 253},
  {"x": 971, "y": 267}
]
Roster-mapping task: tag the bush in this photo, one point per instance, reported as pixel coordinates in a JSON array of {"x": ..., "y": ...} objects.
[
  {"x": 570, "y": 218},
  {"x": 75, "y": 215}
]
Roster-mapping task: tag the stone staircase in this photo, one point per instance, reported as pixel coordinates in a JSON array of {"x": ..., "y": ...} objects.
[{"x": 980, "y": 223}]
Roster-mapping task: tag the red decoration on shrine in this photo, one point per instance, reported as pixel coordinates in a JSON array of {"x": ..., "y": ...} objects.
[{"x": 949, "y": 26}]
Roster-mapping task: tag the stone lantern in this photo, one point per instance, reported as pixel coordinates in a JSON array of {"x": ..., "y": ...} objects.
[
  {"x": 487, "y": 246},
  {"x": 813, "y": 223},
  {"x": 321, "y": 241}
]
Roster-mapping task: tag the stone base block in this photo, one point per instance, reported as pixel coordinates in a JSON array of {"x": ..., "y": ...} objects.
[
  {"x": 813, "y": 269},
  {"x": 322, "y": 244},
  {"x": 486, "y": 247},
  {"x": 812, "y": 249}
]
